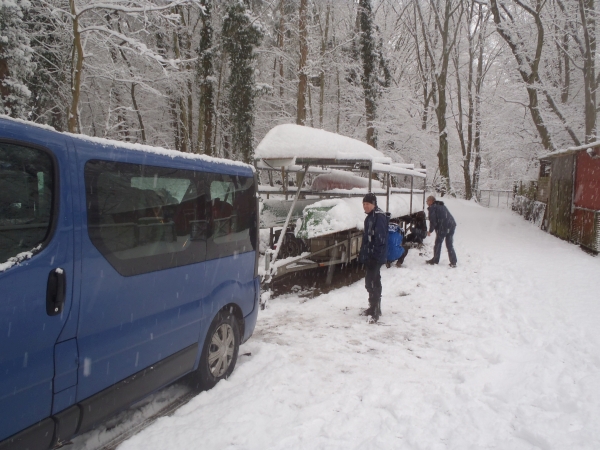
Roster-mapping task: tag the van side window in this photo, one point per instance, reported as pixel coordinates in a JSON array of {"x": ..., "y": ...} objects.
[
  {"x": 26, "y": 196},
  {"x": 233, "y": 216},
  {"x": 146, "y": 218}
]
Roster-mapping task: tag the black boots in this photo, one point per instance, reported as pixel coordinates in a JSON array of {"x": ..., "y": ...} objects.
[
  {"x": 374, "y": 310},
  {"x": 367, "y": 312}
]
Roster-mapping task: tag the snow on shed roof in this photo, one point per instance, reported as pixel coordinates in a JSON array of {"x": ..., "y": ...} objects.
[
  {"x": 567, "y": 151},
  {"x": 291, "y": 141}
]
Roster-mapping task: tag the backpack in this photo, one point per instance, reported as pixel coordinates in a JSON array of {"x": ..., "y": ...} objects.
[{"x": 395, "y": 239}]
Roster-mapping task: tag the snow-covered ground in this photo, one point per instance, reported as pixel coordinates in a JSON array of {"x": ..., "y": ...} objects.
[{"x": 501, "y": 353}]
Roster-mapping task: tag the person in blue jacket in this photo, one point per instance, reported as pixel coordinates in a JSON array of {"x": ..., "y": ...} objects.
[
  {"x": 444, "y": 225},
  {"x": 373, "y": 252}
]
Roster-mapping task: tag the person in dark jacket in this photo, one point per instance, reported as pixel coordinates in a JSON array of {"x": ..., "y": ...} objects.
[
  {"x": 417, "y": 232},
  {"x": 444, "y": 225},
  {"x": 373, "y": 253}
]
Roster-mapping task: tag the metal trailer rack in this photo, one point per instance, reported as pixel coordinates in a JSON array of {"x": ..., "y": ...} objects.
[{"x": 335, "y": 248}]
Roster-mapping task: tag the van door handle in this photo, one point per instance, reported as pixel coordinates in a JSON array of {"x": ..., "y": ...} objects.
[{"x": 55, "y": 292}]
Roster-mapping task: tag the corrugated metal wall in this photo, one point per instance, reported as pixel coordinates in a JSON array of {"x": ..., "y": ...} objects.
[
  {"x": 586, "y": 228},
  {"x": 561, "y": 196},
  {"x": 587, "y": 181},
  {"x": 543, "y": 189}
]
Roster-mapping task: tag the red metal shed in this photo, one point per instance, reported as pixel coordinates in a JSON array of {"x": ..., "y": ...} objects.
[{"x": 573, "y": 210}]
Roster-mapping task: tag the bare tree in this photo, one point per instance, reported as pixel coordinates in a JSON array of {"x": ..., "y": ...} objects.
[
  {"x": 84, "y": 24},
  {"x": 527, "y": 65},
  {"x": 447, "y": 20},
  {"x": 476, "y": 19}
]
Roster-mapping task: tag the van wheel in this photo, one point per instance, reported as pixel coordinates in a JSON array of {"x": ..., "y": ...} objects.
[{"x": 220, "y": 350}]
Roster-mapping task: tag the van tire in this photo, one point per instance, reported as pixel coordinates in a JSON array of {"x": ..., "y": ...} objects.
[{"x": 220, "y": 350}]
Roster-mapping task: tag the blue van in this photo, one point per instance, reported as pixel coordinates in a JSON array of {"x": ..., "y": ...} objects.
[{"x": 122, "y": 268}]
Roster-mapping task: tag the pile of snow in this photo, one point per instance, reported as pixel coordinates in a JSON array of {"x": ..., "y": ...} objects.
[
  {"x": 500, "y": 353},
  {"x": 340, "y": 214},
  {"x": 291, "y": 141}
]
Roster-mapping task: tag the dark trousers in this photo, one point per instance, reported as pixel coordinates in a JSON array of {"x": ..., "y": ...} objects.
[
  {"x": 412, "y": 237},
  {"x": 437, "y": 248},
  {"x": 373, "y": 282}
]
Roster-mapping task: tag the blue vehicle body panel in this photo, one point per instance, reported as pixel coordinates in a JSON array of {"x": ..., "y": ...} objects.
[
  {"x": 116, "y": 337},
  {"x": 250, "y": 319},
  {"x": 112, "y": 326},
  {"x": 27, "y": 333},
  {"x": 65, "y": 363}
]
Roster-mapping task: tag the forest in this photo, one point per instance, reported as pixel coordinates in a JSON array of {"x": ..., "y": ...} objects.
[{"x": 473, "y": 90}]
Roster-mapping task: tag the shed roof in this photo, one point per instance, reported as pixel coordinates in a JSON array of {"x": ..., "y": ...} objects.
[{"x": 591, "y": 148}]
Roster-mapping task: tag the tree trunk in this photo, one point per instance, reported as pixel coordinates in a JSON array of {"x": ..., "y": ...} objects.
[
  {"x": 588, "y": 23},
  {"x": 205, "y": 67},
  {"x": 175, "y": 120},
  {"x": 369, "y": 77},
  {"x": 133, "y": 98},
  {"x": 218, "y": 100},
  {"x": 564, "y": 95},
  {"x": 423, "y": 66},
  {"x": 440, "y": 110},
  {"x": 324, "y": 37},
  {"x": 440, "y": 113},
  {"x": 73, "y": 121},
  {"x": 477, "y": 112},
  {"x": 139, "y": 114},
  {"x": 464, "y": 146},
  {"x": 310, "y": 108},
  {"x": 337, "y": 79},
  {"x": 280, "y": 43},
  {"x": 302, "y": 78}
]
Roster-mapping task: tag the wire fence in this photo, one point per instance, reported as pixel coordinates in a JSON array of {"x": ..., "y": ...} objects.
[{"x": 495, "y": 198}]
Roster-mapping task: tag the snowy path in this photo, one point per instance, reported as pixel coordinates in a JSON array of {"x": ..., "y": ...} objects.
[{"x": 501, "y": 353}]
